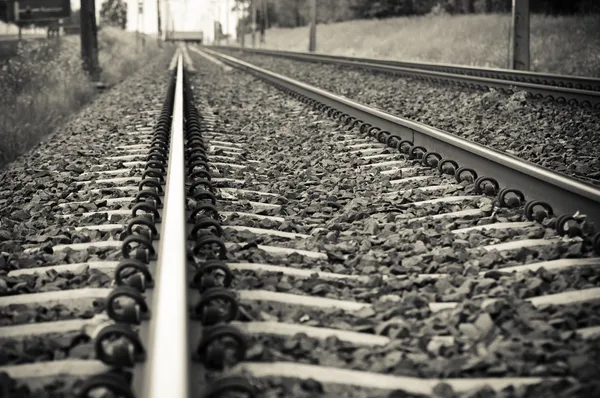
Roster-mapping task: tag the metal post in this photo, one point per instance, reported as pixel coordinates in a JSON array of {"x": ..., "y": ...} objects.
[
  {"x": 137, "y": 29},
  {"x": 140, "y": 22},
  {"x": 520, "y": 36},
  {"x": 58, "y": 29},
  {"x": 312, "y": 39},
  {"x": 216, "y": 22},
  {"x": 17, "y": 18},
  {"x": 263, "y": 21},
  {"x": 16, "y": 11},
  {"x": 254, "y": 23},
  {"x": 242, "y": 30},
  {"x": 227, "y": 15},
  {"x": 167, "y": 19},
  {"x": 266, "y": 12}
]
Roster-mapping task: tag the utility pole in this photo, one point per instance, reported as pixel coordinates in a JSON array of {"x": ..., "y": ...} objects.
[
  {"x": 254, "y": 23},
  {"x": 227, "y": 17},
  {"x": 266, "y": 12},
  {"x": 217, "y": 28},
  {"x": 520, "y": 34},
  {"x": 16, "y": 5},
  {"x": 312, "y": 39},
  {"x": 89, "y": 39},
  {"x": 140, "y": 25},
  {"x": 167, "y": 19},
  {"x": 159, "y": 28},
  {"x": 241, "y": 30},
  {"x": 264, "y": 20}
]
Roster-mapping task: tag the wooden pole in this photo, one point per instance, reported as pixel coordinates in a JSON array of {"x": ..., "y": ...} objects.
[
  {"x": 520, "y": 36},
  {"x": 89, "y": 39},
  {"x": 312, "y": 39},
  {"x": 254, "y": 23},
  {"x": 158, "y": 21},
  {"x": 94, "y": 38}
]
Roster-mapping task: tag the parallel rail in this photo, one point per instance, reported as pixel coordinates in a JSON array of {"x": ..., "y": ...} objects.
[
  {"x": 575, "y": 90},
  {"x": 568, "y": 195},
  {"x": 412, "y": 169}
]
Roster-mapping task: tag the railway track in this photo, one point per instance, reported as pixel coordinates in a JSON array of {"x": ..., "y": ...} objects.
[
  {"x": 80, "y": 257},
  {"x": 290, "y": 315},
  {"x": 583, "y": 91},
  {"x": 209, "y": 254}
]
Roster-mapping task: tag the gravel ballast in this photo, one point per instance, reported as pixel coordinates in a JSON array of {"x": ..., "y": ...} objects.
[
  {"x": 32, "y": 223},
  {"x": 563, "y": 138},
  {"x": 344, "y": 211}
]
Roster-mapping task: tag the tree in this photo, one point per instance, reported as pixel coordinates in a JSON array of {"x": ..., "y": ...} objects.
[{"x": 114, "y": 13}]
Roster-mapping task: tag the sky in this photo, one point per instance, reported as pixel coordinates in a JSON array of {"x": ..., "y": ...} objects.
[{"x": 186, "y": 15}]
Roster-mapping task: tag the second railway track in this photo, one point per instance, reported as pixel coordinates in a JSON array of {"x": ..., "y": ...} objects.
[
  {"x": 259, "y": 249},
  {"x": 584, "y": 91}
]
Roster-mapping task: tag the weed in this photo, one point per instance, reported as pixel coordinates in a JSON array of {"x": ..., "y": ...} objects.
[
  {"x": 44, "y": 83},
  {"x": 564, "y": 44}
]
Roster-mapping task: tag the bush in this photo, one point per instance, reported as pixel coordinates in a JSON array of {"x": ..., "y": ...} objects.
[{"x": 43, "y": 83}]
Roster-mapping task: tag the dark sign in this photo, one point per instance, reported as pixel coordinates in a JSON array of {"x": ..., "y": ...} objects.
[
  {"x": 6, "y": 13},
  {"x": 35, "y": 10}
]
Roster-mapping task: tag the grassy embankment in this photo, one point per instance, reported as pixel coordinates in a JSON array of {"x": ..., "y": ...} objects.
[
  {"x": 43, "y": 84},
  {"x": 564, "y": 45}
]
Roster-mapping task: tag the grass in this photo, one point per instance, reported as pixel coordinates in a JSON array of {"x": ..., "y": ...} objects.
[
  {"x": 565, "y": 44},
  {"x": 43, "y": 84}
]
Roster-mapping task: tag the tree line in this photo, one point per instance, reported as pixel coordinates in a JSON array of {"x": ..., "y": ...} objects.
[{"x": 293, "y": 13}]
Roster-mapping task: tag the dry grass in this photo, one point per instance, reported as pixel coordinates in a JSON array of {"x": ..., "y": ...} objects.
[
  {"x": 565, "y": 45},
  {"x": 44, "y": 83}
]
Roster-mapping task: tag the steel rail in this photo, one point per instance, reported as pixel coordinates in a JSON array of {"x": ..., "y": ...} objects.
[
  {"x": 549, "y": 79},
  {"x": 556, "y": 87},
  {"x": 169, "y": 360},
  {"x": 566, "y": 194}
]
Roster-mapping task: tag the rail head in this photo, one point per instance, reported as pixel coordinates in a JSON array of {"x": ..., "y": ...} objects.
[
  {"x": 577, "y": 82},
  {"x": 566, "y": 195},
  {"x": 169, "y": 359}
]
